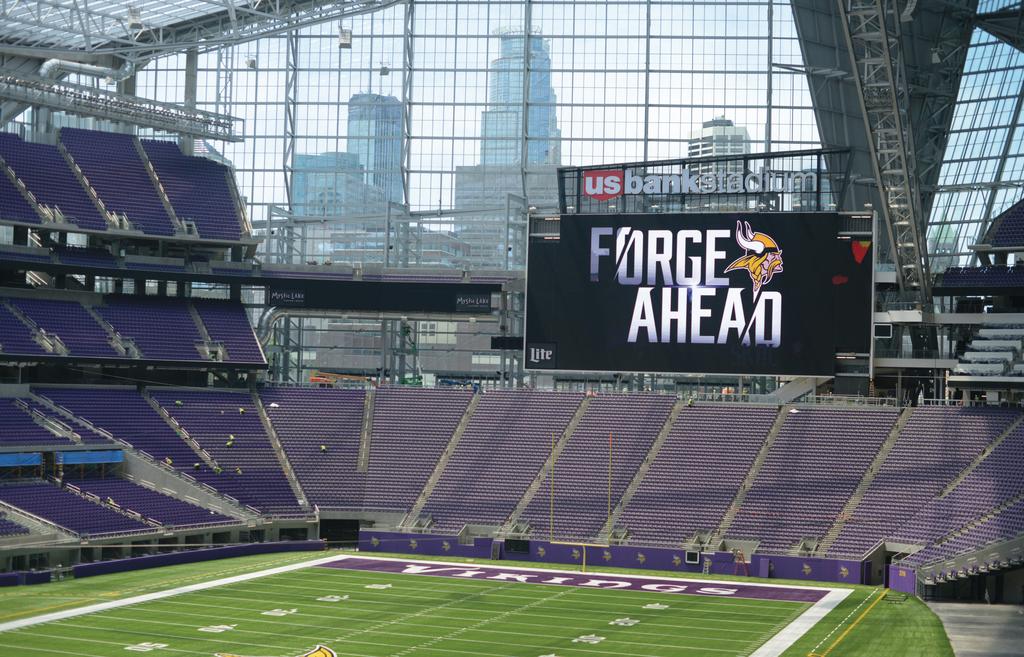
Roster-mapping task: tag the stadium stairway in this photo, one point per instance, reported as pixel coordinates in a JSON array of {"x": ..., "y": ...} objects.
[
  {"x": 158, "y": 186},
  {"x": 112, "y": 219},
  {"x": 49, "y": 342},
  {"x": 858, "y": 494},
  {"x": 412, "y": 519},
  {"x": 122, "y": 345},
  {"x": 204, "y": 455},
  {"x": 147, "y": 471},
  {"x": 981, "y": 457},
  {"x": 366, "y": 434},
  {"x": 41, "y": 531},
  {"x": 748, "y": 481},
  {"x": 106, "y": 504},
  {"x": 282, "y": 458},
  {"x": 205, "y": 333},
  {"x": 627, "y": 495},
  {"x": 542, "y": 475},
  {"x": 28, "y": 196}
]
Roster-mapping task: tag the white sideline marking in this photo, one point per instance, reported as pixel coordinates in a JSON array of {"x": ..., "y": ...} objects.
[
  {"x": 789, "y": 635},
  {"x": 159, "y": 595},
  {"x": 774, "y": 647}
]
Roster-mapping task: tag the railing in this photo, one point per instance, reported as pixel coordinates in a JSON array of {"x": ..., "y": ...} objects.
[{"x": 849, "y": 400}]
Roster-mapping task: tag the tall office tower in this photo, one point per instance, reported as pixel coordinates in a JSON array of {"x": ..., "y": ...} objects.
[
  {"x": 498, "y": 181},
  {"x": 375, "y": 136},
  {"x": 502, "y": 129},
  {"x": 720, "y": 137}
]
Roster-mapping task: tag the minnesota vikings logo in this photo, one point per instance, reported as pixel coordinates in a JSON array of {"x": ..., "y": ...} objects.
[
  {"x": 763, "y": 258},
  {"x": 319, "y": 651},
  {"x": 676, "y": 561},
  {"x": 641, "y": 558},
  {"x": 446, "y": 546},
  {"x": 575, "y": 554},
  {"x": 844, "y": 572}
]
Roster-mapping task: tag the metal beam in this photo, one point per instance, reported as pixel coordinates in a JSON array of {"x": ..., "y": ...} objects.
[
  {"x": 1007, "y": 25},
  {"x": 872, "y": 31}
]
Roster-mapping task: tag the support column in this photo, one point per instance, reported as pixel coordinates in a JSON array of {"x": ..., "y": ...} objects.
[{"x": 188, "y": 144}]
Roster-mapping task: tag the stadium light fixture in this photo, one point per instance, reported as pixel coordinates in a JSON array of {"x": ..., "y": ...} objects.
[
  {"x": 250, "y": 63},
  {"x": 134, "y": 18},
  {"x": 344, "y": 38}
]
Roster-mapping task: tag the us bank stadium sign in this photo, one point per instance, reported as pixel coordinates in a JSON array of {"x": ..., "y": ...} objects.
[
  {"x": 784, "y": 181},
  {"x": 607, "y": 184}
]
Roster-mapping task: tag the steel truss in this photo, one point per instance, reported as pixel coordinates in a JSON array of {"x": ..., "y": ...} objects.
[{"x": 872, "y": 32}]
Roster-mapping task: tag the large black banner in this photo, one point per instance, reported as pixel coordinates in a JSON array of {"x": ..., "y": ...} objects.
[{"x": 712, "y": 293}]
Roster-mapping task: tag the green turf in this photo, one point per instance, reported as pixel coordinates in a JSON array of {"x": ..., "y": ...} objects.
[{"x": 438, "y": 617}]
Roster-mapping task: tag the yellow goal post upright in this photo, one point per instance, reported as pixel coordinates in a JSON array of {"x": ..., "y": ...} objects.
[{"x": 583, "y": 548}]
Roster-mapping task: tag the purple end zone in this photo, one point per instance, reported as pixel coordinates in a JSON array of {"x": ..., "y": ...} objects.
[{"x": 583, "y": 580}]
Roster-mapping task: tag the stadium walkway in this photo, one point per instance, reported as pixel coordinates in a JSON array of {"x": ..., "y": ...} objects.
[{"x": 980, "y": 630}]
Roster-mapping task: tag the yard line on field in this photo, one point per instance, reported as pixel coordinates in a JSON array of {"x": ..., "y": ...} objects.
[
  {"x": 158, "y": 595},
  {"x": 790, "y": 634},
  {"x": 64, "y": 653},
  {"x": 432, "y": 638},
  {"x": 386, "y": 598},
  {"x": 70, "y": 653},
  {"x": 619, "y": 608},
  {"x": 598, "y": 601},
  {"x": 564, "y": 621}
]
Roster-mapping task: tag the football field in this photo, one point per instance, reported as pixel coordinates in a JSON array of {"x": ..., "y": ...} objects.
[{"x": 371, "y": 607}]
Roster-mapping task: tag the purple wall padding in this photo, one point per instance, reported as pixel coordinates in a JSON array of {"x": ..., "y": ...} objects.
[
  {"x": 424, "y": 544},
  {"x": 192, "y": 556},
  {"x": 903, "y": 579},
  {"x": 35, "y": 577},
  {"x": 813, "y": 569},
  {"x": 621, "y": 556},
  {"x": 9, "y": 579}
]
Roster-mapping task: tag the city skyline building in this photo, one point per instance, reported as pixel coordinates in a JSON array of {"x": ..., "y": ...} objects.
[
  {"x": 496, "y": 186},
  {"x": 375, "y": 136}
]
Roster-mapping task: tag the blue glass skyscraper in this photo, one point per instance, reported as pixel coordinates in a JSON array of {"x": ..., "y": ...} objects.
[
  {"x": 502, "y": 129},
  {"x": 375, "y": 135}
]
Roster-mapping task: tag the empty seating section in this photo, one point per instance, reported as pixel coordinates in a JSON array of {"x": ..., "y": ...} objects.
[
  {"x": 1009, "y": 226},
  {"x": 15, "y": 337},
  {"x": 198, "y": 188},
  {"x": 154, "y": 506},
  {"x": 581, "y": 482},
  {"x": 935, "y": 445},
  {"x": 818, "y": 460},
  {"x": 85, "y": 256},
  {"x": 1005, "y": 525},
  {"x": 411, "y": 429},
  {"x": 995, "y": 481},
  {"x": 47, "y": 175},
  {"x": 149, "y": 322},
  {"x": 989, "y": 276},
  {"x": 10, "y": 528},
  {"x": 227, "y": 425},
  {"x": 72, "y": 323},
  {"x": 697, "y": 473},
  {"x": 505, "y": 444},
  {"x": 17, "y": 428},
  {"x": 815, "y": 464},
  {"x": 305, "y": 419},
  {"x": 13, "y": 204},
  {"x": 228, "y": 324},
  {"x": 125, "y": 414},
  {"x": 68, "y": 510},
  {"x": 161, "y": 328},
  {"x": 111, "y": 164}
]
